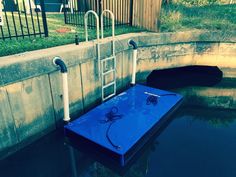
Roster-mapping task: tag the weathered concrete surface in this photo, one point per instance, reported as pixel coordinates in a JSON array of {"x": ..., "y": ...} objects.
[
  {"x": 164, "y": 56},
  {"x": 30, "y": 94},
  {"x": 127, "y": 68},
  {"x": 31, "y": 64},
  {"x": 8, "y": 135},
  {"x": 216, "y": 54},
  {"x": 91, "y": 85},
  {"x": 31, "y": 106}
]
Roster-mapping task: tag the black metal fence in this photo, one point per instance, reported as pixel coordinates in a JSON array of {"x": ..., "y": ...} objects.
[
  {"x": 22, "y": 18},
  {"x": 74, "y": 11}
]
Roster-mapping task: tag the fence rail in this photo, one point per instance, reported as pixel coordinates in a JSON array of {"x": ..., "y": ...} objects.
[
  {"x": 74, "y": 11},
  {"x": 141, "y": 13},
  {"x": 22, "y": 18}
]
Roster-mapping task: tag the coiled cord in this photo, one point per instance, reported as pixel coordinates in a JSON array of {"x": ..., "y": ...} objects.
[{"x": 111, "y": 117}]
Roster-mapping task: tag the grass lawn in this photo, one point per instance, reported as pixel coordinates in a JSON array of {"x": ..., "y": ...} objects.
[
  {"x": 55, "y": 23},
  {"x": 174, "y": 18},
  {"x": 177, "y": 17}
]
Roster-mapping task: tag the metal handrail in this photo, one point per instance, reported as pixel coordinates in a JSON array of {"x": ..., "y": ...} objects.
[
  {"x": 113, "y": 28},
  {"x": 98, "y": 33},
  {"x": 86, "y": 24}
]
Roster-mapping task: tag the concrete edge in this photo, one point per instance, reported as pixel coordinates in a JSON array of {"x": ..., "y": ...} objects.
[{"x": 31, "y": 64}]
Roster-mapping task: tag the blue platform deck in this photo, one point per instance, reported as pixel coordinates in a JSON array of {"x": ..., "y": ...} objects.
[{"x": 138, "y": 117}]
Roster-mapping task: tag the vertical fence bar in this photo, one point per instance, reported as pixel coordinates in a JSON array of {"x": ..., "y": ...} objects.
[
  {"x": 108, "y": 6},
  {"x": 93, "y": 6},
  {"x": 8, "y": 27},
  {"x": 3, "y": 37},
  {"x": 122, "y": 12},
  {"x": 85, "y": 10},
  {"x": 72, "y": 11},
  {"x": 19, "y": 15},
  {"x": 26, "y": 18},
  {"x": 32, "y": 18},
  {"x": 89, "y": 17},
  {"x": 1, "y": 12},
  {"x": 115, "y": 11},
  {"x": 15, "y": 21},
  {"x": 75, "y": 12},
  {"x": 38, "y": 22},
  {"x": 131, "y": 12},
  {"x": 64, "y": 9},
  {"x": 122, "y": 9},
  {"x": 69, "y": 13},
  {"x": 127, "y": 11},
  {"x": 14, "y": 24},
  {"x": 44, "y": 17}
]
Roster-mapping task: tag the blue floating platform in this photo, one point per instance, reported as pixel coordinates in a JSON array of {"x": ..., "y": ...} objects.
[{"x": 136, "y": 115}]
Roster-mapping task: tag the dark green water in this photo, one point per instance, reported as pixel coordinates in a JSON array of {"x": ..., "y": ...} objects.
[{"x": 197, "y": 143}]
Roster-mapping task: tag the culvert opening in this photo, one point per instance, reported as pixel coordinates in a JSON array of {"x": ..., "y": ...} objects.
[{"x": 185, "y": 76}]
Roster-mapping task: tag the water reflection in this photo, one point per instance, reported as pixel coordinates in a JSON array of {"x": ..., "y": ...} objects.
[
  {"x": 138, "y": 169},
  {"x": 217, "y": 118},
  {"x": 198, "y": 142}
]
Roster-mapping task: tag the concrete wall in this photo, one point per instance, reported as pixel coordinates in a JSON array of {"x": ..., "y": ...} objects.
[{"x": 30, "y": 86}]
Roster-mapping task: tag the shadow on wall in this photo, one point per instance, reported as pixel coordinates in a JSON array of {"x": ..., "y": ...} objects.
[{"x": 185, "y": 76}]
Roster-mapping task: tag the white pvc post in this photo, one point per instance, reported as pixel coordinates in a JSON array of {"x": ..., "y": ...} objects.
[
  {"x": 135, "y": 53},
  {"x": 57, "y": 61},
  {"x": 65, "y": 97}
]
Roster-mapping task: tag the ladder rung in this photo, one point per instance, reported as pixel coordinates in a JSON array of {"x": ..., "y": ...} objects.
[
  {"x": 108, "y": 72},
  {"x": 109, "y": 96},
  {"x": 108, "y": 85},
  {"x": 109, "y": 58}
]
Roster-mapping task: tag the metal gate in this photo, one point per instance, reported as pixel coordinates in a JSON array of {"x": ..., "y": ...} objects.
[
  {"x": 74, "y": 11},
  {"x": 22, "y": 18}
]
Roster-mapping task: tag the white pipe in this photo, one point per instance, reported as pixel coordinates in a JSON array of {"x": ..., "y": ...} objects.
[
  {"x": 135, "y": 54},
  {"x": 57, "y": 61},
  {"x": 65, "y": 97}
]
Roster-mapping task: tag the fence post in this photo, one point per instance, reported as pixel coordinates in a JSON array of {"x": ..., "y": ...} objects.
[
  {"x": 1, "y": 14},
  {"x": 100, "y": 9},
  {"x": 44, "y": 17},
  {"x": 65, "y": 11},
  {"x": 131, "y": 12}
]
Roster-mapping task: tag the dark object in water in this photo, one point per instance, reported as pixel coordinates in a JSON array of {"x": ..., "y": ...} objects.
[{"x": 185, "y": 76}]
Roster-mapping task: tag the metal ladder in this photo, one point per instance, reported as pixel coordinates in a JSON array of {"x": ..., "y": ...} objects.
[{"x": 102, "y": 63}]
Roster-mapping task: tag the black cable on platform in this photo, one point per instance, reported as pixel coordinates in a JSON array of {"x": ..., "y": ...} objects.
[
  {"x": 153, "y": 99},
  {"x": 112, "y": 116}
]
